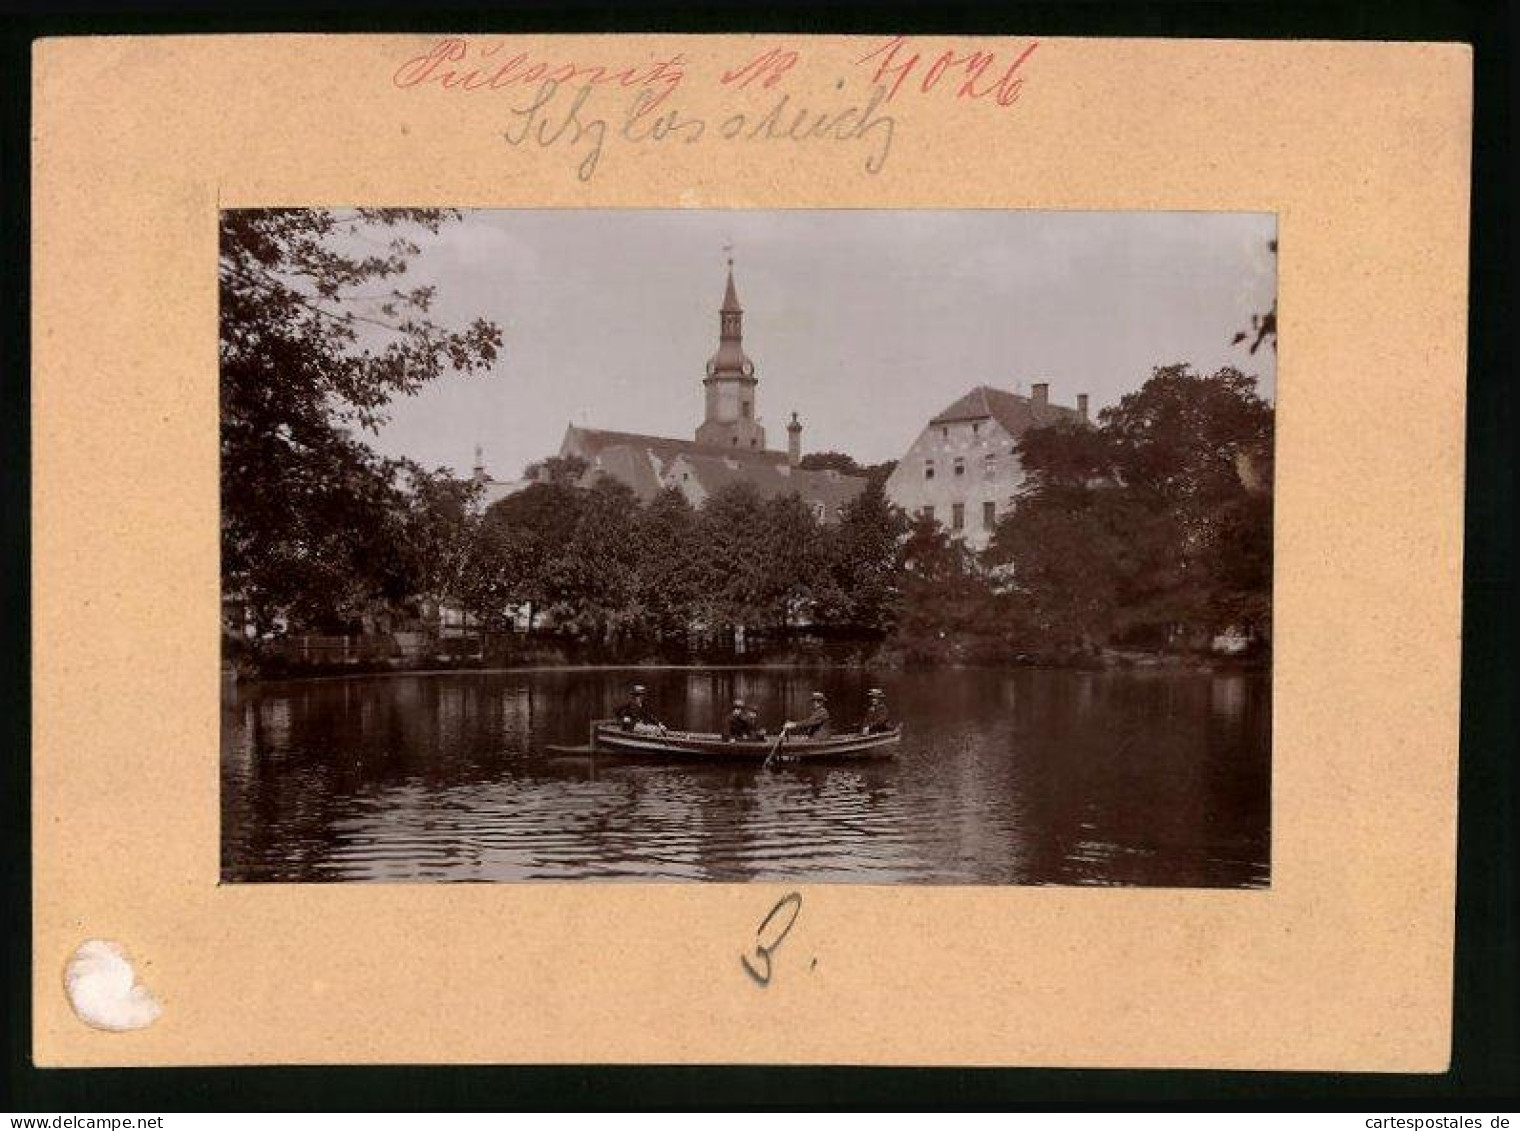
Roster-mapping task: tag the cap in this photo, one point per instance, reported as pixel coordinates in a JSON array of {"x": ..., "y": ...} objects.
[
  {"x": 818, "y": 696},
  {"x": 738, "y": 702},
  {"x": 638, "y": 689},
  {"x": 876, "y": 693}
]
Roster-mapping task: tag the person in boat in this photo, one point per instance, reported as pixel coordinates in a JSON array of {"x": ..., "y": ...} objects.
[
  {"x": 755, "y": 729},
  {"x": 816, "y": 725},
  {"x": 635, "y": 712},
  {"x": 877, "y": 717},
  {"x": 740, "y": 726}
]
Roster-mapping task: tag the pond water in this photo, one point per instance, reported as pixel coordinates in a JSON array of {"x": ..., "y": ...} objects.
[{"x": 1026, "y": 776}]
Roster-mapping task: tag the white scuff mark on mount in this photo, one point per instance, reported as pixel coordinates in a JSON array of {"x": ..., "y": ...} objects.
[{"x": 104, "y": 990}]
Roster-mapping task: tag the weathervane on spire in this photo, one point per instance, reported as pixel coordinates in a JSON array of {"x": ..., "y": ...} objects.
[{"x": 728, "y": 250}]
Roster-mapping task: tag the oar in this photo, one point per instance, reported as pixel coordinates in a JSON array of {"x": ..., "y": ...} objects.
[{"x": 780, "y": 738}]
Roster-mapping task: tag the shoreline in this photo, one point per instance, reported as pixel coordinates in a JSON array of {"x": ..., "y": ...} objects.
[{"x": 1158, "y": 663}]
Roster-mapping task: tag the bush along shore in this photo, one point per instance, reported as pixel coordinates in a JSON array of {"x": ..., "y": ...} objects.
[{"x": 298, "y": 657}]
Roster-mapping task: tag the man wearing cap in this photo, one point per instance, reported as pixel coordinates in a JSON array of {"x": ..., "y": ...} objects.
[
  {"x": 740, "y": 728},
  {"x": 635, "y": 713},
  {"x": 815, "y": 725},
  {"x": 877, "y": 718}
]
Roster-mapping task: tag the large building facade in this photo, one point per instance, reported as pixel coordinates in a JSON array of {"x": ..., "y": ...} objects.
[
  {"x": 729, "y": 444},
  {"x": 963, "y": 470}
]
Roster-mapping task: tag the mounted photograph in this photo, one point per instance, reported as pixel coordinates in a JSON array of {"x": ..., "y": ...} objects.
[{"x": 803, "y": 546}]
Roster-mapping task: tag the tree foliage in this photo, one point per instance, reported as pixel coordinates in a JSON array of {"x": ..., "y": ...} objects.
[
  {"x": 1155, "y": 526},
  {"x": 949, "y": 610},
  {"x": 1263, "y": 329},
  {"x": 593, "y": 564},
  {"x": 860, "y": 581},
  {"x": 316, "y": 339}
]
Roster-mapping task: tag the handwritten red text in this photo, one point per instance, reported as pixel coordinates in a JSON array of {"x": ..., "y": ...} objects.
[
  {"x": 975, "y": 75},
  {"x": 457, "y": 64},
  {"x": 766, "y": 69}
]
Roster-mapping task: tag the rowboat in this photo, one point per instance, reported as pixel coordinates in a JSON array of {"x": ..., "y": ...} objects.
[{"x": 607, "y": 737}]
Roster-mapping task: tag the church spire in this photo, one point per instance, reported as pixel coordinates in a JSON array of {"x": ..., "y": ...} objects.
[
  {"x": 731, "y": 296},
  {"x": 730, "y": 360},
  {"x": 731, "y": 419}
]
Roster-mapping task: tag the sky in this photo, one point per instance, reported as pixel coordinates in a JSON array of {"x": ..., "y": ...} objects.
[{"x": 866, "y": 323}]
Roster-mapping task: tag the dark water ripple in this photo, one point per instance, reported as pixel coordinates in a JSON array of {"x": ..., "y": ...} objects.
[{"x": 1023, "y": 777}]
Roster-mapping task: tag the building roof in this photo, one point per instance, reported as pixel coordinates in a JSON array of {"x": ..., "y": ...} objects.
[
  {"x": 590, "y": 442},
  {"x": 716, "y": 471},
  {"x": 630, "y": 464},
  {"x": 495, "y": 490},
  {"x": 1014, "y": 411}
]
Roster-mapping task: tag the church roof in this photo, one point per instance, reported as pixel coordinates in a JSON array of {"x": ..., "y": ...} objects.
[
  {"x": 635, "y": 466},
  {"x": 644, "y": 462},
  {"x": 1015, "y": 412},
  {"x": 831, "y": 488},
  {"x": 589, "y": 442}
]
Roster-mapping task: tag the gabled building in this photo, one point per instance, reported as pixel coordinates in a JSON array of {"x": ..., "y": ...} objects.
[
  {"x": 963, "y": 471},
  {"x": 729, "y": 443},
  {"x": 825, "y": 493}
]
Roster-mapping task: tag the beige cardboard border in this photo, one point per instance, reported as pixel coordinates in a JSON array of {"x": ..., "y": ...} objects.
[{"x": 1361, "y": 149}]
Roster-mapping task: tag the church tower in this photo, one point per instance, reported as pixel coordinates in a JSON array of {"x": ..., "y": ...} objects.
[{"x": 730, "y": 383}]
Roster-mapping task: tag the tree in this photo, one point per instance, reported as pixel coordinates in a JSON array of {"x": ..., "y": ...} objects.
[
  {"x": 1064, "y": 456},
  {"x": 497, "y": 574},
  {"x": 735, "y": 550},
  {"x": 517, "y": 556},
  {"x": 1082, "y": 563},
  {"x": 668, "y": 573},
  {"x": 794, "y": 560},
  {"x": 860, "y": 587},
  {"x": 847, "y": 465},
  {"x": 590, "y": 581},
  {"x": 948, "y": 609},
  {"x": 564, "y": 471},
  {"x": 439, "y": 528},
  {"x": 829, "y": 461},
  {"x": 1155, "y": 526},
  {"x": 310, "y": 357},
  {"x": 1197, "y": 446},
  {"x": 879, "y": 473},
  {"x": 1263, "y": 326}
]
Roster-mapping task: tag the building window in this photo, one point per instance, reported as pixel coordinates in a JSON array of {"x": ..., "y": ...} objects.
[
  {"x": 735, "y": 441},
  {"x": 944, "y": 432},
  {"x": 818, "y": 511},
  {"x": 989, "y": 514},
  {"x": 960, "y": 465},
  {"x": 744, "y": 405},
  {"x": 927, "y": 512},
  {"x": 989, "y": 465},
  {"x": 928, "y": 469},
  {"x": 753, "y": 442},
  {"x": 976, "y": 427},
  {"x": 957, "y": 516}
]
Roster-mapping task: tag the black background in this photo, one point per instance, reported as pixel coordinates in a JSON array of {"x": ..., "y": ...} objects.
[{"x": 1485, "y": 1069}]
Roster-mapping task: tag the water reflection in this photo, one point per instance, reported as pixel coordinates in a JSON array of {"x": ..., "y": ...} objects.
[{"x": 1023, "y": 777}]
